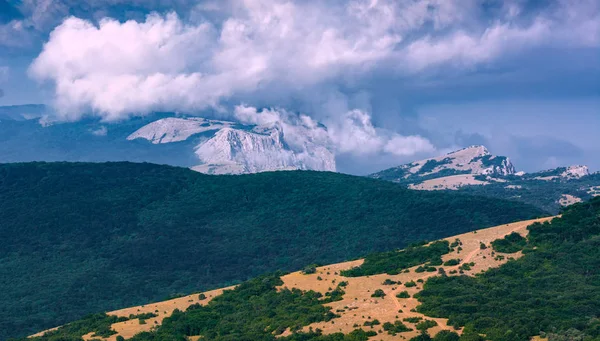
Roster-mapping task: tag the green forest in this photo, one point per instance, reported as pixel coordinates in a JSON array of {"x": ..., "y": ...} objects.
[
  {"x": 540, "y": 193},
  {"x": 553, "y": 291},
  {"x": 80, "y": 238}
]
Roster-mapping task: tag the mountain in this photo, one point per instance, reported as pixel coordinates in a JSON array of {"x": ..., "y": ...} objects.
[
  {"x": 27, "y": 133},
  {"x": 475, "y": 171},
  {"x": 79, "y": 238},
  {"x": 473, "y": 160},
  {"x": 233, "y": 148},
  {"x": 530, "y": 280}
]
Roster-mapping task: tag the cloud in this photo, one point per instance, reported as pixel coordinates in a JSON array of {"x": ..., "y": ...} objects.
[
  {"x": 353, "y": 134},
  {"x": 115, "y": 69},
  {"x": 101, "y": 131},
  {"x": 14, "y": 34},
  {"x": 529, "y": 132}
]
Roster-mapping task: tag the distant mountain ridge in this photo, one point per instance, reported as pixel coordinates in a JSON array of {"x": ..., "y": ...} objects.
[
  {"x": 471, "y": 160},
  {"x": 205, "y": 145},
  {"x": 475, "y": 170}
]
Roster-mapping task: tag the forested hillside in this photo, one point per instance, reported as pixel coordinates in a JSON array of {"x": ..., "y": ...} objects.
[
  {"x": 553, "y": 291},
  {"x": 80, "y": 238}
]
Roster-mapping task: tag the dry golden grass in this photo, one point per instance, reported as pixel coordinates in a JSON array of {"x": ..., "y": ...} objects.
[{"x": 357, "y": 305}]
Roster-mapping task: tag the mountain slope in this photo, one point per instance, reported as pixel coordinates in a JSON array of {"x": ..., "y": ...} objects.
[
  {"x": 554, "y": 290},
  {"x": 530, "y": 280},
  {"x": 80, "y": 238},
  {"x": 352, "y": 301}
]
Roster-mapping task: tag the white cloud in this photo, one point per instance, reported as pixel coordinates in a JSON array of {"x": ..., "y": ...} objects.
[
  {"x": 355, "y": 134},
  {"x": 352, "y": 133},
  {"x": 116, "y": 69},
  {"x": 14, "y": 34},
  {"x": 101, "y": 131}
]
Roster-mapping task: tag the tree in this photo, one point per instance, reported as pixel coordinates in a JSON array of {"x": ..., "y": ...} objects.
[{"x": 378, "y": 293}]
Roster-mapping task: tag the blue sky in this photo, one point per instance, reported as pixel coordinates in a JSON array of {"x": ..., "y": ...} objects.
[{"x": 395, "y": 80}]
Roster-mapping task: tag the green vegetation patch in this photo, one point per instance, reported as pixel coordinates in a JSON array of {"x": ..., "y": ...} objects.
[
  {"x": 254, "y": 310},
  {"x": 99, "y": 324},
  {"x": 510, "y": 244},
  {"x": 396, "y": 327},
  {"x": 396, "y": 261},
  {"x": 553, "y": 289},
  {"x": 452, "y": 262}
]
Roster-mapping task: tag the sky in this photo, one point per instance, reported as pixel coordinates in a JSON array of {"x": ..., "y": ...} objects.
[{"x": 393, "y": 81}]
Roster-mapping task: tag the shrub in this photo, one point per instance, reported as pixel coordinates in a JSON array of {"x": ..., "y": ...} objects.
[
  {"x": 403, "y": 294},
  {"x": 424, "y": 325},
  {"x": 410, "y": 284},
  {"x": 510, "y": 243},
  {"x": 452, "y": 262},
  {"x": 415, "y": 319},
  {"x": 375, "y": 322},
  {"x": 378, "y": 293},
  {"x": 396, "y": 327}
]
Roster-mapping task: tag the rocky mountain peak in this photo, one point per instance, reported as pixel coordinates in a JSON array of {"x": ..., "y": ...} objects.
[
  {"x": 575, "y": 171},
  {"x": 224, "y": 147}
]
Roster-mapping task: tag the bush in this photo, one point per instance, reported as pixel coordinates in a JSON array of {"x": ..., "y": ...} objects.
[
  {"x": 396, "y": 327},
  {"x": 403, "y": 294},
  {"x": 509, "y": 244},
  {"x": 378, "y": 293},
  {"x": 372, "y": 323},
  {"x": 410, "y": 284},
  {"x": 452, "y": 262},
  {"x": 415, "y": 319},
  {"x": 426, "y": 324},
  {"x": 397, "y": 261}
]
